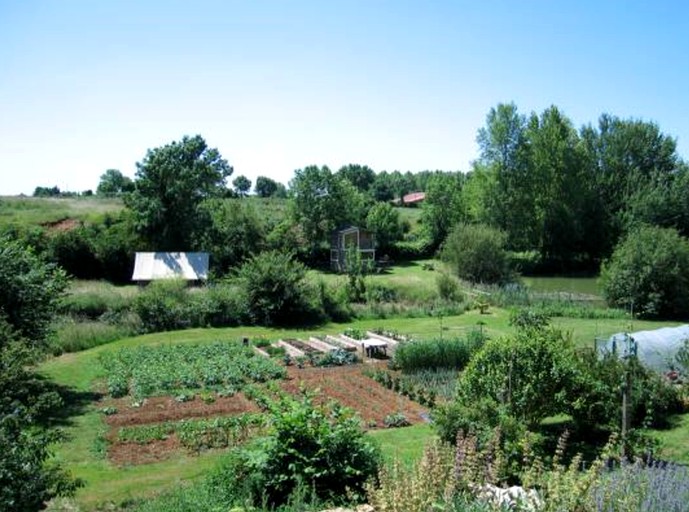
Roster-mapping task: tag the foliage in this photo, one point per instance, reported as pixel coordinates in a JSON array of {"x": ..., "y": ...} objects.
[
  {"x": 322, "y": 202},
  {"x": 436, "y": 354},
  {"x": 30, "y": 290},
  {"x": 198, "y": 434},
  {"x": 146, "y": 371},
  {"x": 649, "y": 273},
  {"x": 477, "y": 253},
  {"x": 448, "y": 288},
  {"x": 384, "y": 221},
  {"x": 360, "y": 176},
  {"x": 338, "y": 357},
  {"x": 396, "y": 420},
  {"x": 242, "y": 185},
  {"x": 529, "y": 374},
  {"x": 267, "y": 187},
  {"x": 320, "y": 447},
  {"x": 276, "y": 290},
  {"x": 113, "y": 183},
  {"x": 171, "y": 182},
  {"x": 234, "y": 233},
  {"x": 443, "y": 207},
  {"x": 27, "y": 481}
]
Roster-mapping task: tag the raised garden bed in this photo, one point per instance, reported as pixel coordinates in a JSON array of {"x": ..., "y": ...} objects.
[{"x": 321, "y": 345}]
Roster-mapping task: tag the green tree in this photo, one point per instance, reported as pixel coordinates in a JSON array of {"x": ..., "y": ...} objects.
[
  {"x": 234, "y": 233},
  {"x": 242, "y": 185},
  {"x": 323, "y": 201},
  {"x": 171, "y": 182},
  {"x": 113, "y": 183},
  {"x": 265, "y": 187},
  {"x": 529, "y": 374},
  {"x": 360, "y": 176},
  {"x": 29, "y": 293},
  {"x": 442, "y": 207},
  {"x": 384, "y": 221},
  {"x": 649, "y": 273},
  {"x": 476, "y": 252}
]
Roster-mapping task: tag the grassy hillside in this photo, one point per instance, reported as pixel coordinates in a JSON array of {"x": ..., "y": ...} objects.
[{"x": 32, "y": 211}]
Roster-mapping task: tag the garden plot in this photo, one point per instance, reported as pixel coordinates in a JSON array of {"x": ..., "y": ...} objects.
[
  {"x": 351, "y": 388},
  {"x": 169, "y": 398}
]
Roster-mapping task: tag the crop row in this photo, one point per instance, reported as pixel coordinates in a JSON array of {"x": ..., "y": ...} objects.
[
  {"x": 197, "y": 435},
  {"x": 146, "y": 371}
]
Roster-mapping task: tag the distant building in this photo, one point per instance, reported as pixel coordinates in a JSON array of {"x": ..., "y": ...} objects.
[
  {"x": 190, "y": 266},
  {"x": 354, "y": 237},
  {"x": 413, "y": 198}
]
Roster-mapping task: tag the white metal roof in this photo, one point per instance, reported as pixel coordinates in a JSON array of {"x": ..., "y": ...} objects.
[{"x": 192, "y": 266}]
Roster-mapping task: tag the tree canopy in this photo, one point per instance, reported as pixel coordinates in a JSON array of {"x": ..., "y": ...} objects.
[
  {"x": 171, "y": 182},
  {"x": 113, "y": 183}
]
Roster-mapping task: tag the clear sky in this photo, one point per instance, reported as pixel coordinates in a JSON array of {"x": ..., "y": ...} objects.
[{"x": 87, "y": 85}]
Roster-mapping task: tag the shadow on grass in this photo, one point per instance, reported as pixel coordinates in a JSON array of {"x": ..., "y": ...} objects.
[{"x": 72, "y": 402}]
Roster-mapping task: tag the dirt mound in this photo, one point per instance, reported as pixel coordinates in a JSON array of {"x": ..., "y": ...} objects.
[{"x": 62, "y": 225}]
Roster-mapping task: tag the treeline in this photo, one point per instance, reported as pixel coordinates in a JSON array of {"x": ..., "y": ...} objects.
[{"x": 563, "y": 197}]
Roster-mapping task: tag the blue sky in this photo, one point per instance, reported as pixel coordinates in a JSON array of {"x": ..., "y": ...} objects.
[{"x": 87, "y": 85}]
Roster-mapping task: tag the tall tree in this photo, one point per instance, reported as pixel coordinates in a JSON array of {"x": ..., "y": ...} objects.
[
  {"x": 360, "y": 176},
  {"x": 113, "y": 183},
  {"x": 242, "y": 185},
  {"x": 171, "y": 182},
  {"x": 266, "y": 187},
  {"x": 443, "y": 207},
  {"x": 508, "y": 200},
  {"x": 322, "y": 201},
  {"x": 626, "y": 155}
]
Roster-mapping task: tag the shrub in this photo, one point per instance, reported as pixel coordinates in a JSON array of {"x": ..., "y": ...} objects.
[
  {"x": 448, "y": 288},
  {"x": 477, "y": 253},
  {"x": 649, "y": 272},
  {"x": 161, "y": 306},
  {"x": 276, "y": 290},
  {"x": 529, "y": 374},
  {"x": 321, "y": 448}
]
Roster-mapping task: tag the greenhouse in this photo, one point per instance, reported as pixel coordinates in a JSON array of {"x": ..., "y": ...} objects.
[{"x": 656, "y": 349}]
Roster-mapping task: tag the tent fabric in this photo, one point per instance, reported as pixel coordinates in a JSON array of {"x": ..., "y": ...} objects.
[
  {"x": 191, "y": 266},
  {"x": 656, "y": 349}
]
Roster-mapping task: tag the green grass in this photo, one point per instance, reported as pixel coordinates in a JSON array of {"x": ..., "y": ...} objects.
[
  {"x": 105, "y": 482},
  {"x": 26, "y": 211},
  {"x": 405, "y": 444},
  {"x": 674, "y": 441}
]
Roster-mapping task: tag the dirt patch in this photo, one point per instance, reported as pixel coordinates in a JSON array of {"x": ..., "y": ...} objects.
[
  {"x": 123, "y": 454},
  {"x": 164, "y": 408},
  {"x": 351, "y": 388},
  {"x": 62, "y": 225}
]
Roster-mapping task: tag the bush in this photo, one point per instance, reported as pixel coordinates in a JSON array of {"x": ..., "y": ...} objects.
[
  {"x": 529, "y": 374},
  {"x": 477, "y": 253},
  {"x": 162, "y": 306},
  {"x": 448, "y": 288},
  {"x": 649, "y": 273},
  {"x": 321, "y": 448},
  {"x": 276, "y": 290}
]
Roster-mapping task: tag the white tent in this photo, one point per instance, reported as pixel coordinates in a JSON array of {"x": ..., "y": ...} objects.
[
  {"x": 191, "y": 266},
  {"x": 656, "y": 349}
]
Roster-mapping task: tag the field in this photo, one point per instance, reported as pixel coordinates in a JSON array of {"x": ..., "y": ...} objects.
[
  {"x": 26, "y": 211},
  {"x": 117, "y": 474}
]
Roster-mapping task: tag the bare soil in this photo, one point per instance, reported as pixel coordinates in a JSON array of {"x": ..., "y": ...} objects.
[
  {"x": 347, "y": 384},
  {"x": 164, "y": 408}
]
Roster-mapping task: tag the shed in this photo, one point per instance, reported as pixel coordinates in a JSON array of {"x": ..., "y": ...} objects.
[
  {"x": 351, "y": 237},
  {"x": 190, "y": 266},
  {"x": 657, "y": 349}
]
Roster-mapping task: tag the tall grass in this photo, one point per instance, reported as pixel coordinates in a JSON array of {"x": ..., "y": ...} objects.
[
  {"x": 73, "y": 336},
  {"x": 442, "y": 382},
  {"x": 437, "y": 353}
]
